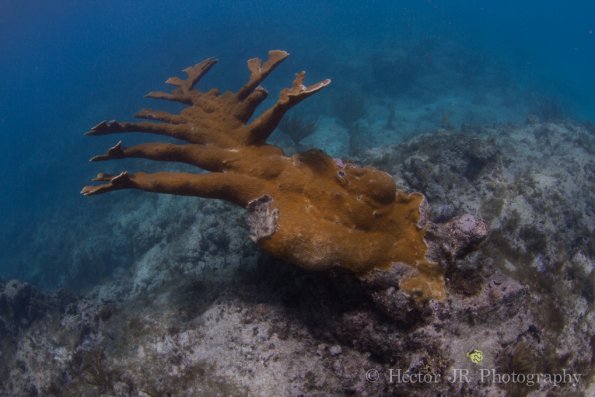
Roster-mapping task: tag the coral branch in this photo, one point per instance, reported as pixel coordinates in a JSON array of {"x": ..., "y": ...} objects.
[
  {"x": 264, "y": 125},
  {"x": 310, "y": 209},
  {"x": 194, "y": 134},
  {"x": 238, "y": 189},
  {"x": 260, "y": 71},
  {"x": 247, "y": 107},
  {"x": 194, "y": 74},
  {"x": 112, "y": 127},
  {"x": 207, "y": 158},
  {"x": 159, "y": 115},
  {"x": 182, "y": 98}
]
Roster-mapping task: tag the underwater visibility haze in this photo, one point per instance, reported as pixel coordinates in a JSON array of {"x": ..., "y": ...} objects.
[{"x": 414, "y": 215}]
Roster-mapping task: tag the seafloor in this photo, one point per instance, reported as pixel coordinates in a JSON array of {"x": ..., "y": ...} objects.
[{"x": 195, "y": 309}]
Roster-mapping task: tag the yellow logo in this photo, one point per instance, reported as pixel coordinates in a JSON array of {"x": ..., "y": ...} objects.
[{"x": 476, "y": 356}]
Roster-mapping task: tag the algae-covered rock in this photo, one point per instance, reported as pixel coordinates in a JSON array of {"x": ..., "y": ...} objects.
[{"x": 201, "y": 312}]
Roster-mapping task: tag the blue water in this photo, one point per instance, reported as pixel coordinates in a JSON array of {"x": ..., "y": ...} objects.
[{"x": 66, "y": 65}]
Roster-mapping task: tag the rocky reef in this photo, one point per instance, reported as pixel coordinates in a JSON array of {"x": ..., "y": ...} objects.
[{"x": 199, "y": 310}]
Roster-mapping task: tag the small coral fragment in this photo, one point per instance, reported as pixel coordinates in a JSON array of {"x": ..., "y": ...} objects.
[{"x": 309, "y": 209}]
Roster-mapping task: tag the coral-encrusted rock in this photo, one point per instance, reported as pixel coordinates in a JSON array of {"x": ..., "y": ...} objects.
[
  {"x": 202, "y": 317},
  {"x": 20, "y": 305},
  {"x": 446, "y": 243},
  {"x": 499, "y": 298},
  {"x": 263, "y": 219},
  {"x": 455, "y": 238}
]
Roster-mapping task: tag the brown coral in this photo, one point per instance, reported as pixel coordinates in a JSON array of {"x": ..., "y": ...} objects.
[{"x": 309, "y": 209}]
